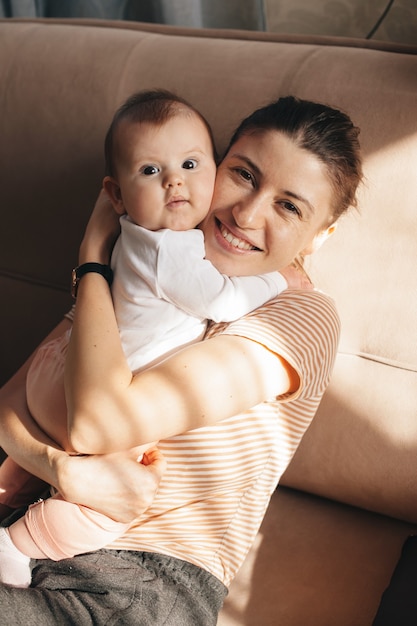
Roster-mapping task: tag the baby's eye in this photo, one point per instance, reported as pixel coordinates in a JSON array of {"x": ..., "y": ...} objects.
[
  {"x": 149, "y": 170},
  {"x": 189, "y": 164}
]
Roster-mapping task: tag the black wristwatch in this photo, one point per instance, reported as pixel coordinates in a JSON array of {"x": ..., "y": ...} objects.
[{"x": 78, "y": 272}]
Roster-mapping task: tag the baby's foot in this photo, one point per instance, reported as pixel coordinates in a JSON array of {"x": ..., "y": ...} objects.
[{"x": 14, "y": 565}]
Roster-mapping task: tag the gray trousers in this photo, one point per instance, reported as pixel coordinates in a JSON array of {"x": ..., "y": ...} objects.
[{"x": 115, "y": 587}]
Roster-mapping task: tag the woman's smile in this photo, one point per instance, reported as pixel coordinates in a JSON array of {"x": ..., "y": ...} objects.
[{"x": 234, "y": 240}]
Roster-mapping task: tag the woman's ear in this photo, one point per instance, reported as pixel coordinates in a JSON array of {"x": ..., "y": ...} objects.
[
  {"x": 112, "y": 188},
  {"x": 319, "y": 239}
]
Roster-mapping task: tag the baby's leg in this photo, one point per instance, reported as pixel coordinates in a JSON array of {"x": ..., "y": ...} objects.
[
  {"x": 46, "y": 402},
  {"x": 17, "y": 487},
  {"x": 54, "y": 529},
  {"x": 45, "y": 390},
  {"x": 57, "y": 529}
]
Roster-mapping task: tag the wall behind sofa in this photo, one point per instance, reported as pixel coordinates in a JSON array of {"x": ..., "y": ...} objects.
[{"x": 385, "y": 20}]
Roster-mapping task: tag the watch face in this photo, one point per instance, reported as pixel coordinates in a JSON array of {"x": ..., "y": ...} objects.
[{"x": 74, "y": 283}]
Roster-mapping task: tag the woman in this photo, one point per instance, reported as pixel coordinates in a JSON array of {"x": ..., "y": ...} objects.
[{"x": 228, "y": 412}]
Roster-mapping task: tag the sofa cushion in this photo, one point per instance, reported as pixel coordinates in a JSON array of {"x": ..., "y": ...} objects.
[{"x": 61, "y": 82}]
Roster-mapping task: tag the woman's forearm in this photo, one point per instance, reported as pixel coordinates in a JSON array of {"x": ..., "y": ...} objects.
[
  {"x": 96, "y": 370},
  {"x": 95, "y": 362}
]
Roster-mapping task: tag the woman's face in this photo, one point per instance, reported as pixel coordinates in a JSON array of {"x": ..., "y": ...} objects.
[{"x": 272, "y": 201}]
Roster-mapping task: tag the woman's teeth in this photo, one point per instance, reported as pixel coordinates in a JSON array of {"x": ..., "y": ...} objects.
[{"x": 234, "y": 241}]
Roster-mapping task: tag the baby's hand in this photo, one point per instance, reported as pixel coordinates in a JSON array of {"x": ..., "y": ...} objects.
[
  {"x": 296, "y": 277},
  {"x": 101, "y": 232}
]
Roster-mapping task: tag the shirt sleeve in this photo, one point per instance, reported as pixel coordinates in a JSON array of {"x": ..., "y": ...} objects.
[
  {"x": 303, "y": 327},
  {"x": 192, "y": 283}
]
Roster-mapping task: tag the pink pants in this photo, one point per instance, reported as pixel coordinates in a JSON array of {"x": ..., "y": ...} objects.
[{"x": 59, "y": 529}]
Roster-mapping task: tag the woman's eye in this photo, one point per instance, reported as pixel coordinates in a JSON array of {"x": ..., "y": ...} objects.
[
  {"x": 189, "y": 164},
  {"x": 149, "y": 170},
  {"x": 290, "y": 207},
  {"x": 245, "y": 174}
]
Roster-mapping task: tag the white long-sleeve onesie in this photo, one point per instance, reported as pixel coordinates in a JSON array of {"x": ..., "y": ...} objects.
[{"x": 164, "y": 291}]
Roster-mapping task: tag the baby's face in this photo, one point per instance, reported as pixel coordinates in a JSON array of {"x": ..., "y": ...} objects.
[{"x": 166, "y": 173}]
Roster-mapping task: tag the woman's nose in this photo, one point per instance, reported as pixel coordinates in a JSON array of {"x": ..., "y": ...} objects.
[{"x": 249, "y": 213}]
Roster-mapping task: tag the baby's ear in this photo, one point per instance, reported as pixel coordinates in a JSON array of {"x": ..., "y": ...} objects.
[
  {"x": 319, "y": 239},
  {"x": 112, "y": 188}
]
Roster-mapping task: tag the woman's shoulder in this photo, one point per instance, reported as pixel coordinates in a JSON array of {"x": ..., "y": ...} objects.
[
  {"x": 309, "y": 317},
  {"x": 295, "y": 307},
  {"x": 311, "y": 303},
  {"x": 306, "y": 331},
  {"x": 306, "y": 295},
  {"x": 293, "y": 311},
  {"x": 302, "y": 326}
]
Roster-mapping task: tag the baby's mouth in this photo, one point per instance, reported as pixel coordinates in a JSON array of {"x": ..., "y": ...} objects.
[{"x": 175, "y": 201}]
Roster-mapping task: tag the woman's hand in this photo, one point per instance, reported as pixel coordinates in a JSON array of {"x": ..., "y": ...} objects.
[
  {"x": 117, "y": 484},
  {"x": 101, "y": 232}
]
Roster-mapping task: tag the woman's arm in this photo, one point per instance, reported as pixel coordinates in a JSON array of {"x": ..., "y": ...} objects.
[
  {"x": 204, "y": 383},
  {"x": 110, "y": 409}
]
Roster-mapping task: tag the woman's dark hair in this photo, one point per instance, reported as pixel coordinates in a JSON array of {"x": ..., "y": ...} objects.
[
  {"x": 327, "y": 133},
  {"x": 154, "y": 106}
]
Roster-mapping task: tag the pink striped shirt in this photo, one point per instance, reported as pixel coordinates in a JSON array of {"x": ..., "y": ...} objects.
[{"x": 220, "y": 478}]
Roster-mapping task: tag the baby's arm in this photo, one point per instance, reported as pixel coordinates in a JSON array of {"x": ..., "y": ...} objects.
[{"x": 192, "y": 282}]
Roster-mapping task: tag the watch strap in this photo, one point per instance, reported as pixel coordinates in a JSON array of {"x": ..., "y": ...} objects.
[{"x": 80, "y": 271}]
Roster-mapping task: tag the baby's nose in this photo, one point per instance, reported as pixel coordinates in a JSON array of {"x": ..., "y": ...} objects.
[{"x": 173, "y": 179}]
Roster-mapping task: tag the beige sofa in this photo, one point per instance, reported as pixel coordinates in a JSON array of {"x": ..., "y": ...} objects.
[{"x": 335, "y": 527}]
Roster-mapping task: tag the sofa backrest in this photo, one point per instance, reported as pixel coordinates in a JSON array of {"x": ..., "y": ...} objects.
[{"x": 61, "y": 82}]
